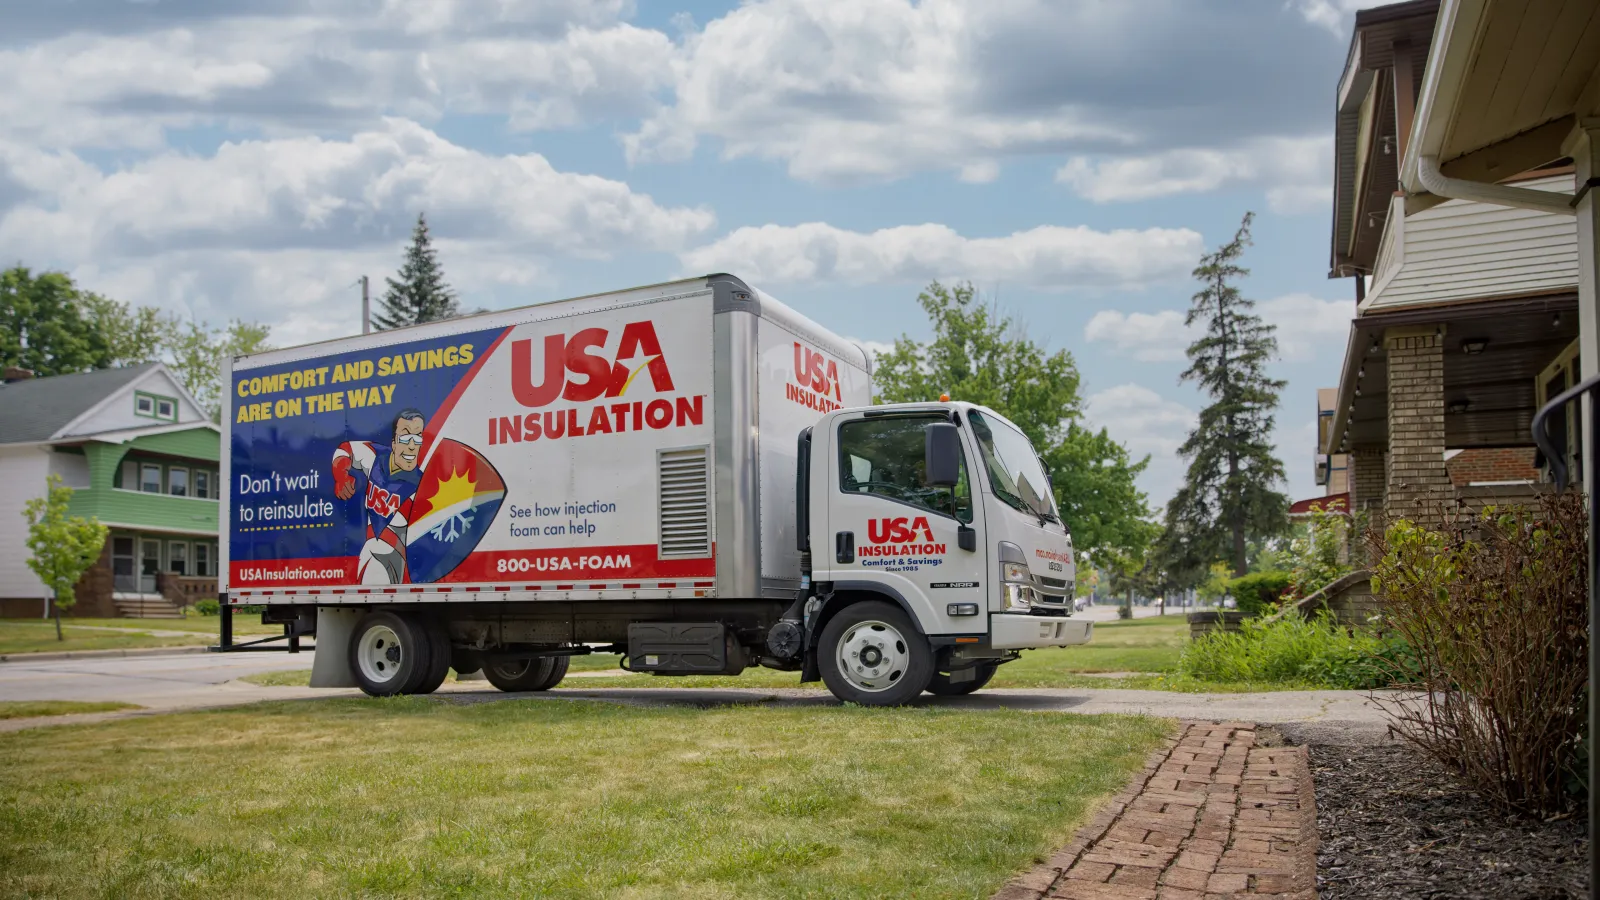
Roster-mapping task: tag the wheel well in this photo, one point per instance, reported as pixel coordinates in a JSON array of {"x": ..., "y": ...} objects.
[{"x": 840, "y": 599}]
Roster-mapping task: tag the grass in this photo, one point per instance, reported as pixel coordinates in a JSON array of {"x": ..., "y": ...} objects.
[
  {"x": 28, "y": 709},
  {"x": 412, "y": 797},
  {"x": 39, "y": 635},
  {"x": 1146, "y": 648}
]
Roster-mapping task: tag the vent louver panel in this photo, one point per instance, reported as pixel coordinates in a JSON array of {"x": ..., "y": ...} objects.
[{"x": 684, "y": 480}]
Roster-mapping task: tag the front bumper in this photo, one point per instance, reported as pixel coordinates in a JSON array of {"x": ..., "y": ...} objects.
[{"x": 1022, "y": 631}]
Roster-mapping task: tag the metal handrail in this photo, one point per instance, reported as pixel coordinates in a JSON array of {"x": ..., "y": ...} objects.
[{"x": 1557, "y": 458}]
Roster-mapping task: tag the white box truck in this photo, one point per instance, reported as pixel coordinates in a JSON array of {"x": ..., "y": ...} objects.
[{"x": 689, "y": 474}]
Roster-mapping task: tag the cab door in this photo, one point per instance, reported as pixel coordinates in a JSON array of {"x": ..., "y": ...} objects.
[{"x": 887, "y": 527}]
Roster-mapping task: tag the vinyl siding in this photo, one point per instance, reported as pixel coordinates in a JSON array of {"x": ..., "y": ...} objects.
[
  {"x": 118, "y": 412},
  {"x": 22, "y": 471},
  {"x": 115, "y": 506},
  {"x": 1461, "y": 250}
]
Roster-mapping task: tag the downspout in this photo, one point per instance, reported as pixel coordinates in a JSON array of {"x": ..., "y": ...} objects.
[{"x": 1436, "y": 182}]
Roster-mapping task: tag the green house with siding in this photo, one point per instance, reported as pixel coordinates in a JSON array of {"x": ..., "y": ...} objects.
[{"x": 141, "y": 456}]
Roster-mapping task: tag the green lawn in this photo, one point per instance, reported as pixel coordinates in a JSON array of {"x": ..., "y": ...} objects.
[
  {"x": 28, "y": 709},
  {"x": 414, "y": 797},
  {"x": 39, "y": 635}
]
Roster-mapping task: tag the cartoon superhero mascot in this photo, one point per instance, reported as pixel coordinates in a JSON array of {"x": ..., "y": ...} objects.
[{"x": 392, "y": 479}]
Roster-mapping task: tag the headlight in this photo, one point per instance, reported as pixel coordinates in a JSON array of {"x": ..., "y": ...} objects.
[
  {"x": 1017, "y": 572},
  {"x": 1016, "y": 597}
]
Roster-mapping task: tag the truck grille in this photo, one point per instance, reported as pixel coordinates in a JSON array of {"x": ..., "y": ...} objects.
[{"x": 684, "y": 478}]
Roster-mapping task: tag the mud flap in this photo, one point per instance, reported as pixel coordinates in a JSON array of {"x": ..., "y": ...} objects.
[{"x": 330, "y": 666}]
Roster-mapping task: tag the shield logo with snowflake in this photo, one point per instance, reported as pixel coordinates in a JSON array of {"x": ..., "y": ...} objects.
[{"x": 456, "y": 502}]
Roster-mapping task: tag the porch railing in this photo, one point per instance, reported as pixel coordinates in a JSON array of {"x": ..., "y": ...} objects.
[{"x": 1557, "y": 457}]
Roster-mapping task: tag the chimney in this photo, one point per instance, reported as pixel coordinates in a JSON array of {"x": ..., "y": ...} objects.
[{"x": 17, "y": 373}]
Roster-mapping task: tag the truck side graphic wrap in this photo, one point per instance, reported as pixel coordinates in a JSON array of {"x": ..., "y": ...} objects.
[{"x": 457, "y": 458}]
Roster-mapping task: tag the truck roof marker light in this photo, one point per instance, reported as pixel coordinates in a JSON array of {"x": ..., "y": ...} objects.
[{"x": 944, "y": 398}]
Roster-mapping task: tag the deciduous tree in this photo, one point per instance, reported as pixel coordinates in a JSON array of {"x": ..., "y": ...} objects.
[
  {"x": 980, "y": 356},
  {"x": 62, "y": 547}
]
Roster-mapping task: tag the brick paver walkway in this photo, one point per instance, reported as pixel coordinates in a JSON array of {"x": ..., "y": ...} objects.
[{"x": 1212, "y": 816}]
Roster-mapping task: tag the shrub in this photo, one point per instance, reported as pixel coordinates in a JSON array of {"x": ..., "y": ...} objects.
[
  {"x": 1319, "y": 553},
  {"x": 208, "y": 607},
  {"x": 1494, "y": 607},
  {"x": 1258, "y": 592},
  {"x": 1286, "y": 650}
]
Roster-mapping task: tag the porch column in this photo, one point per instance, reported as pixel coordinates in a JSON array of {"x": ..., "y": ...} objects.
[
  {"x": 1418, "y": 486},
  {"x": 1583, "y": 145},
  {"x": 1368, "y": 477}
]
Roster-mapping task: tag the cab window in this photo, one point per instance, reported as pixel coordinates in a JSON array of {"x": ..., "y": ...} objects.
[{"x": 884, "y": 456}]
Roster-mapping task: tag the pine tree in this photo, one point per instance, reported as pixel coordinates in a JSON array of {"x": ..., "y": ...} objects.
[
  {"x": 1230, "y": 495},
  {"x": 420, "y": 294}
]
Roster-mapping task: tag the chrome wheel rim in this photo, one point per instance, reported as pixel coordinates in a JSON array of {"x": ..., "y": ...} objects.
[
  {"x": 381, "y": 654},
  {"x": 873, "y": 656}
]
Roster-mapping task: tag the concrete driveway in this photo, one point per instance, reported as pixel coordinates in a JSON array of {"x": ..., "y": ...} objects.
[{"x": 167, "y": 683}]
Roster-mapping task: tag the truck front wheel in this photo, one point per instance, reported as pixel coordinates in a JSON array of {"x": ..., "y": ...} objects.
[
  {"x": 870, "y": 654},
  {"x": 389, "y": 654}
]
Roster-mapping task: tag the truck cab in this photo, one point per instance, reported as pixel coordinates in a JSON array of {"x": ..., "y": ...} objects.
[{"x": 935, "y": 548}]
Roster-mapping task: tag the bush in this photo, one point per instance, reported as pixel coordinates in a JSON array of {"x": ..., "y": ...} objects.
[
  {"x": 1494, "y": 606},
  {"x": 1287, "y": 650},
  {"x": 1258, "y": 592},
  {"x": 208, "y": 607}
]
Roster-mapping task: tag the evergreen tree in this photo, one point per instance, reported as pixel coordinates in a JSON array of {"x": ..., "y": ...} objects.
[
  {"x": 1230, "y": 495},
  {"x": 420, "y": 294}
]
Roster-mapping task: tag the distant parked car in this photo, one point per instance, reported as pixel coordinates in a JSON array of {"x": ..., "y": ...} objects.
[
  {"x": 1229, "y": 603},
  {"x": 1080, "y": 604}
]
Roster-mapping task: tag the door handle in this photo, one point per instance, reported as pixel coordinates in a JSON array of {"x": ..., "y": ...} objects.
[{"x": 844, "y": 546}]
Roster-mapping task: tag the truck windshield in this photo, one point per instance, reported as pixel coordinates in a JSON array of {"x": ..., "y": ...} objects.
[{"x": 1014, "y": 470}]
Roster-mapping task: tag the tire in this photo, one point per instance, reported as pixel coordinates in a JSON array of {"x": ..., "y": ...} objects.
[
  {"x": 520, "y": 675},
  {"x": 438, "y": 655},
  {"x": 388, "y": 654},
  {"x": 940, "y": 684},
  {"x": 871, "y": 654},
  {"x": 558, "y": 671}
]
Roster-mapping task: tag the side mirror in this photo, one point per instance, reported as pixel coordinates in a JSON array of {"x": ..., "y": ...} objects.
[{"x": 941, "y": 455}]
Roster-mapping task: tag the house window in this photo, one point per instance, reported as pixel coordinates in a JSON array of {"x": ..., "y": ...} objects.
[
  {"x": 202, "y": 560},
  {"x": 128, "y": 475},
  {"x": 178, "y": 481},
  {"x": 178, "y": 557},
  {"x": 124, "y": 577},
  {"x": 150, "y": 478},
  {"x": 202, "y": 483},
  {"x": 155, "y": 406}
]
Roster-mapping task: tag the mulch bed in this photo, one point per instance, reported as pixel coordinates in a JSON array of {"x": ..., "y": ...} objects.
[{"x": 1393, "y": 824}]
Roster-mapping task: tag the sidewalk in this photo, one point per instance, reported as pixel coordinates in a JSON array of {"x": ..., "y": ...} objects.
[{"x": 1212, "y": 816}]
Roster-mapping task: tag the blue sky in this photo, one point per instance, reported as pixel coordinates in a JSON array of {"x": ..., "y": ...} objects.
[{"x": 1072, "y": 159}]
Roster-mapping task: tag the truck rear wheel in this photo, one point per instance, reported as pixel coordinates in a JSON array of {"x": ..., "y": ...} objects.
[
  {"x": 941, "y": 685},
  {"x": 388, "y": 654},
  {"x": 870, "y": 654},
  {"x": 438, "y": 655},
  {"x": 558, "y": 671},
  {"x": 525, "y": 674}
]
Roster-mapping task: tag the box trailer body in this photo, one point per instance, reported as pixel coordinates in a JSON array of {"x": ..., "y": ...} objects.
[{"x": 632, "y": 469}]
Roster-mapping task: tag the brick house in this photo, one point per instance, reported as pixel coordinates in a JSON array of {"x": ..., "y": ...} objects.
[
  {"x": 1466, "y": 311},
  {"x": 142, "y": 457}
]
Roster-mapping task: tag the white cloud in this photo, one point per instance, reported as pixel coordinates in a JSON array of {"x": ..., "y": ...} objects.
[
  {"x": 1148, "y": 424},
  {"x": 334, "y": 64},
  {"x": 1048, "y": 257},
  {"x": 1307, "y": 328},
  {"x": 1335, "y": 15},
  {"x": 267, "y": 228},
  {"x": 1149, "y": 337},
  {"x": 1296, "y": 172}
]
